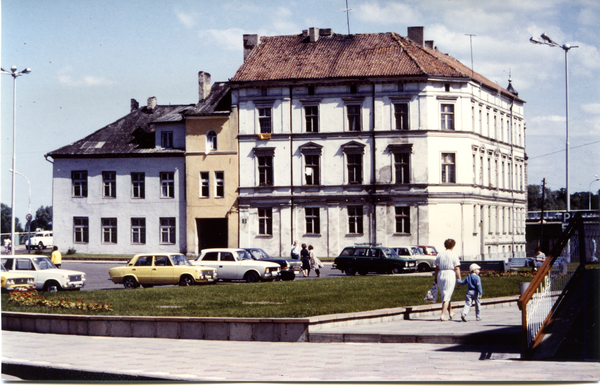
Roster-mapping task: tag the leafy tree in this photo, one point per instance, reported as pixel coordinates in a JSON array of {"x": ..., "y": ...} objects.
[
  {"x": 43, "y": 218},
  {"x": 6, "y": 213}
]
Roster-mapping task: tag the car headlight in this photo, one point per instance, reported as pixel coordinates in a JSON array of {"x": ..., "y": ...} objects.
[
  {"x": 30, "y": 281},
  {"x": 10, "y": 282}
]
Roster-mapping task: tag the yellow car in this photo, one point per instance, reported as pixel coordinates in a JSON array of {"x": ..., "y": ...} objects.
[
  {"x": 16, "y": 281},
  {"x": 150, "y": 269}
]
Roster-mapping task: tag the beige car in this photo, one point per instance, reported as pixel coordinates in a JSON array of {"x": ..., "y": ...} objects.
[
  {"x": 12, "y": 281},
  {"x": 150, "y": 269}
]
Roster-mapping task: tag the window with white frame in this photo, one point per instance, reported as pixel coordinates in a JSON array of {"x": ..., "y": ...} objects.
[
  {"x": 447, "y": 115},
  {"x": 448, "y": 168},
  {"x": 311, "y": 116},
  {"x": 167, "y": 185},
  {"x": 81, "y": 230},
  {"x": 79, "y": 183},
  {"x": 475, "y": 167},
  {"x": 481, "y": 170},
  {"x": 313, "y": 220},
  {"x": 311, "y": 169},
  {"x": 265, "y": 221},
  {"x": 402, "y": 219},
  {"x": 138, "y": 231},
  {"x": 353, "y": 113},
  {"x": 354, "y": 165},
  {"x": 167, "y": 230},
  {"x": 138, "y": 185},
  {"x": 402, "y": 167},
  {"x": 401, "y": 116},
  {"x": 109, "y": 230},
  {"x": 211, "y": 140},
  {"x": 220, "y": 184},
  {"x": 109, "y": 184},
  {"x": 166, "y": 139},
  {"x": 475, "y": 220},
  {"x": 355, "y": 219},
  {"x": 204, "y": 184},
  {"x": 264, "y": 119}
]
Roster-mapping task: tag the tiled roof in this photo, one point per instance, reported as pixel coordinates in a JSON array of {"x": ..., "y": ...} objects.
[{"x": 294, "y": 57}]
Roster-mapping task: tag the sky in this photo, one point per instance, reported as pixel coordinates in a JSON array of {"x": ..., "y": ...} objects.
[{"x": 90, "y": 58}]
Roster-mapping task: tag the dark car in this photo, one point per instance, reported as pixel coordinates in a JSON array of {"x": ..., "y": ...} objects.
[
  {"x": 364, "y": 259},
  {"x": 289, "y": 267}
]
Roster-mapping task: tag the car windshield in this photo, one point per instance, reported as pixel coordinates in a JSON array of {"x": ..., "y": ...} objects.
[
  {"x": 43, "y": 263},
  {"x": 243, "y": 255},
  {"x": 180, "y": 260},
  {"x": 389, "y": 252},
  {"x": 259, "y": 254}
]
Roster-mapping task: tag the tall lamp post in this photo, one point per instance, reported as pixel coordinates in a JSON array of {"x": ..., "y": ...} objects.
[
  {"x": 566, "y": 47},
  {"x": 15, "y": 74},
  {"x": 28, "y": 218},
  {"x": 590, "y": 190}
]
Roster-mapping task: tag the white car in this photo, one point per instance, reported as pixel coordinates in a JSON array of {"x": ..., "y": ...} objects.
[
  {"x": 42, "y": 239},
  {"x": 424, "y": 262},
  {"x": 47, "y": 276},
  {"x": 237, "y": 264}
]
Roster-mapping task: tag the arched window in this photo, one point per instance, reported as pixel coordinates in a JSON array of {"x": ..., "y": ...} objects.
[{"x": 211, "y": 140}]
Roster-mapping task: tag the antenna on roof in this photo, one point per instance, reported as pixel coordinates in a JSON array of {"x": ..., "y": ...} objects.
[
  {"x": 347, "y": 10},
  {"x": 471, "y": 41}
]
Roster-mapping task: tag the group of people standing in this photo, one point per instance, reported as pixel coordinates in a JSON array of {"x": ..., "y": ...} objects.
[{"x": 308, "y": 258}]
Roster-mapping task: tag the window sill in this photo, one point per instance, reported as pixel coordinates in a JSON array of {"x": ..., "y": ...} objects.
[
  {"x": 315, "y": 235},
  {"x": 264, "y": 236}
]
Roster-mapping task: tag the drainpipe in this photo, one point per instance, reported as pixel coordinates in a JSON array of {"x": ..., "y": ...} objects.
[
  {"x": 291, "y": 167},
  {"x": 373, "y": 198}
]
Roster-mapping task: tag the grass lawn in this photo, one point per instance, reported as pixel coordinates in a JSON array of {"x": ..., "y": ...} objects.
[{"x": 301, "y": 298}]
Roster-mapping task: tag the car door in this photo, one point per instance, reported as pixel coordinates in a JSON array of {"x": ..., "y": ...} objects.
[
  {"x": 143, "y": 269},
  {"x": 376, "y": 260},
  {"x": 229, "y": 266},
  {"x": 163, "y": 270},
  {"x": 211, "y": 259}
]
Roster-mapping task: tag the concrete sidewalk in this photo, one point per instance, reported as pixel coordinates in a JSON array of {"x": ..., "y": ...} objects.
[{"x": 441, "y": 358}]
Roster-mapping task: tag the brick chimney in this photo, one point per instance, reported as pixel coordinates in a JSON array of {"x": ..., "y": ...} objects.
[
  {"x": 250, "y": 41},
  {"x": 134, "y": 105},
  {"x": 429, "y": 44},
  {"x": 417, "y": 35},
  {"x": 313, "y": 34},
  {"x": 203, "y": 85},
  {"x": 151, "y": 103}
]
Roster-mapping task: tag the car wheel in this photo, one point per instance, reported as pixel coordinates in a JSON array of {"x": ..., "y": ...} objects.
[
  {"x": 395, "y": 270},
  {"x": 423, "y": 267},
  {"x": 288, "y": 277},
  {"x": 130, "y": 282},
  {"x": 51, "y": 286},
  {"x": 350, "y": 271},
  {"x": 252, "y": 277},
  {"x": 186, "y": 281},
  {"x": 41, "y": 245},
  {"x": 363, "y": 273}
]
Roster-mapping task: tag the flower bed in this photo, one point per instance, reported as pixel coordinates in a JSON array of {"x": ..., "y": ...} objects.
[{"x": 35, "y": 299}]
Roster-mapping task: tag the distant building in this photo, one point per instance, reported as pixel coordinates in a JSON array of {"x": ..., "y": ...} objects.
[{"x": 376, "y": 138}]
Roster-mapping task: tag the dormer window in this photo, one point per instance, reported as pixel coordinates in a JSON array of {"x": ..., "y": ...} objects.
[
  {"x": 211, "y": 140},
  {"x": 166, "y": 139}
]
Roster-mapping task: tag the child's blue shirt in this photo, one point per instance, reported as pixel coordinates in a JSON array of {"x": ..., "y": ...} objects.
[{"x": 473, "y": 281}]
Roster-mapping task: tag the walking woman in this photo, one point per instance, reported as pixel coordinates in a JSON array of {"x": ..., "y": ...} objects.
[{"x": 447, "y": 270}]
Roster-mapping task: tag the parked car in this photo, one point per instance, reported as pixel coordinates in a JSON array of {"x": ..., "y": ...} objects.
[
  {"x": 150, "y": 269},
  {"x": 428, "y": 250},
  {"x": 364, "y": 259},
  {"x": 238, "y": 264},
  {"x": 289, "y": 267},
  {"x": 16, "y": 281},
  {"x": 424, "y": 262},
  {"x": 41, "y": 240},
  {"x": 47, "y": 276}
]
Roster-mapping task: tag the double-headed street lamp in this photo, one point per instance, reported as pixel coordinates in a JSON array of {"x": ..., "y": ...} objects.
[
  {"x": 15, "y": 74},
  {"x": 566, "y": 47}
]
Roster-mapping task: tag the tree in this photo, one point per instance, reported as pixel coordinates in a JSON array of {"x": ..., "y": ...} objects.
[
  {"x": 43, "y": 218},
  {"x": 6, "y": 213}
]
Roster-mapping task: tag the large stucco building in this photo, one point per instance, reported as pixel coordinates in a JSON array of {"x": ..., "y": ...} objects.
[{"x": 375, "y": 138}]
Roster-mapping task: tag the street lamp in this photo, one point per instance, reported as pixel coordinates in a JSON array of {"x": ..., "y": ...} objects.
[
  {"x": 28, "y": 218},
  {"x": 566, "y": 47},
  {"x": 590, "y": 190},
  {"x": 15, "y": 74}
]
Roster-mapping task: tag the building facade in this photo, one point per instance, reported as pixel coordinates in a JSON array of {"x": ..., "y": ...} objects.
[{"x": 376, "y": 138}]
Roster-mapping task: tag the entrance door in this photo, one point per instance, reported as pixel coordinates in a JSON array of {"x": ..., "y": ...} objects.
[{"x": 212, "y": 233}]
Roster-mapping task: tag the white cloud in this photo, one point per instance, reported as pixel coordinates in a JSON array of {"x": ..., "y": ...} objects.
[
  {"x": 186, "y": 19},
  {"x": 591, "y": 108},
  {"x": 229, "y": 39},
  {"x": 390, "y": 13},
  {"x": 65, "y": 76}
]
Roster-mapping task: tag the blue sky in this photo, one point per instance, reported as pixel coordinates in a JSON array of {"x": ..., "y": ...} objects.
[{"x": 89, "y": 58}]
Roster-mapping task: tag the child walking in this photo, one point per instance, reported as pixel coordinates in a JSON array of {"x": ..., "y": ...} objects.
[{"x": 474, "y": 292}]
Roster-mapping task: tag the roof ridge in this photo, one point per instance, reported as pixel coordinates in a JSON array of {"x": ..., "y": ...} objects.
[{"x": 397, "y": 37}]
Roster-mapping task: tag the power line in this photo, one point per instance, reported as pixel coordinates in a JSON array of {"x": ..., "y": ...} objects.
[{"x": 560, "y": 151}]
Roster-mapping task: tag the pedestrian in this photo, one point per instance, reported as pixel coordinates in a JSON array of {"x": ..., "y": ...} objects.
[
  {"x": 315, "y": 263},
  {"x": 7, "y": 245},
  {"x": 295, "y": 251},
  {"x": 538, "y": 259},
  {"x": 305, "y": 257},
  {"x": 474, "y": 292},
  {"x": 56, "y": 257},
  {"x": 447, "y": 269}
]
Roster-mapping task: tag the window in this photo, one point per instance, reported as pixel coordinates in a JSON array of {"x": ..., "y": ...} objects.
[
  {"x": 447, "y": 117},
  {"x": 311, "y": 114},
  {"x": 354, "y": 168},
  {"x": 220, "y": 184},
  {"x": 447, "y": 87},
  {"x": 81, "y": 229},
  {"x": 402, "y": 168},
  {"x": 353, "y": 112},
  {"x": 313, "y": 222},
  {"x": 167, "y": 185},
  {"x": 474, "y": 168},
  {"x": 80, "y": 185},
  {"x": 167, "y": 230},
  {"x": 264, "y": 119},
  {"x": 311, "y": 169},
  {"x": 401, "y": 115},
  {"x": 138, "y": 185},
  {"x": 166, "y": 139},
  {"x": 265, "y": 221},
  {"x": 265, "y": 170},
  {"x": 481, "y": 170},
  {"x": 211, "y": 140},
  {"x": 204, "y": 184},
  {"x": 138, "y": 231},
  {"x": 109, "y": 184},
  {"x": 402, "y": 219},
  {"x": 480, "y": 122},
  {"x": 355, "y": 219},
  {"x": 448, "y": 168},
  {"x": 475, "y": 221},
  {"x": 109, "y": 230}
]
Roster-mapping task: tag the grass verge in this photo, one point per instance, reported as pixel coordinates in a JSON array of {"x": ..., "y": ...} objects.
[{"x": 272, "y": 300}]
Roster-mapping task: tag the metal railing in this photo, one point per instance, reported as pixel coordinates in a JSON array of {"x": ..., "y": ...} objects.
[{"x": 549, "y": 285}]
